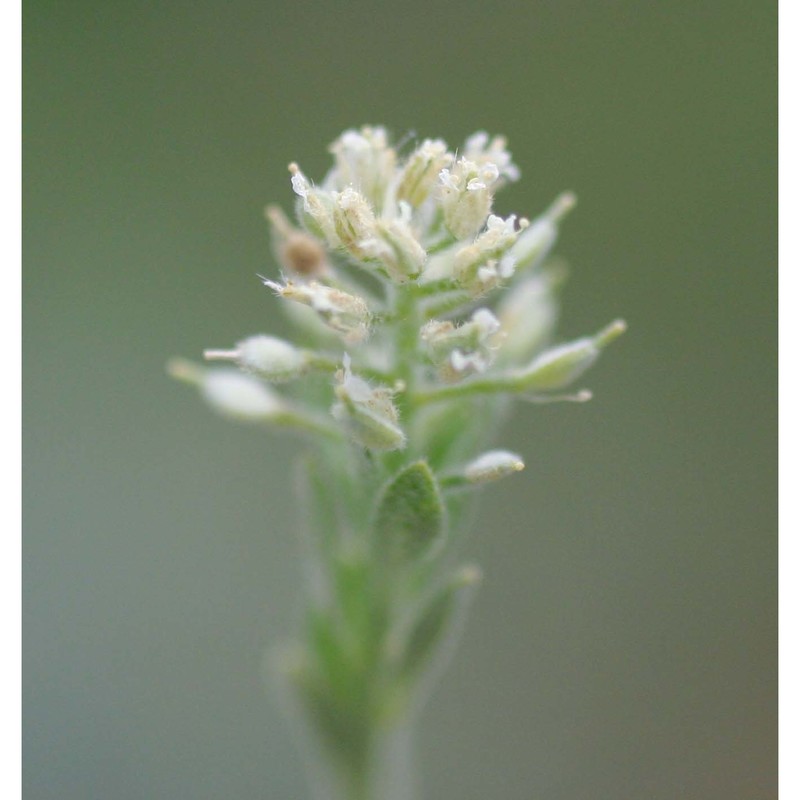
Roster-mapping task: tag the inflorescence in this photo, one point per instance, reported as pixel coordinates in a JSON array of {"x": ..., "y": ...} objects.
[{"x": 409, "y": 292}]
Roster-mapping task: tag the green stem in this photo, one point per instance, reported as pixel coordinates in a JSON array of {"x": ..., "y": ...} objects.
[
  {"x": 406, "y": 341},
  {"x": 388, "y": 772},
  {"x": 357, "y": 784},
  {"x": 407, "y": 335},
  {"x": 308, "y": 423},
  {"x": 509, "y": 382}
]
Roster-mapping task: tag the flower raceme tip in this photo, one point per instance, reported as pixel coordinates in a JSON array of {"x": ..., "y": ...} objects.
[{"x": 401, "y": 260}]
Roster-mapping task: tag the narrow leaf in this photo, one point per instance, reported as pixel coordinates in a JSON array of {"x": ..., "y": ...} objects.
[
  {"x": 342, "y": 726},
  {"x": 437, "y": 621}
]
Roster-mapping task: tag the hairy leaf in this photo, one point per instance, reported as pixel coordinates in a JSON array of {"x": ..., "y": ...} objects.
[{"x": 410, "y": 517}]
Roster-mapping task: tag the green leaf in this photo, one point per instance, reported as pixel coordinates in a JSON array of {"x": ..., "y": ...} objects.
[
  {"x": 437, "y": 621},
  {"x": 329, "y": 657},
  {"x": 342, "y": 725},
  {"x": 410, "y": 516},
  {"x": 362, "y": 607},
  {"x": 319, "y": 506}
]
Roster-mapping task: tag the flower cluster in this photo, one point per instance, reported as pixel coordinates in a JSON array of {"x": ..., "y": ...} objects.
[{"x": 430, "y": 295}]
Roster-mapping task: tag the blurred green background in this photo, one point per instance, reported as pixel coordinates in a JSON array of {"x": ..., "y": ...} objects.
[{"x": 623, "y": 644}]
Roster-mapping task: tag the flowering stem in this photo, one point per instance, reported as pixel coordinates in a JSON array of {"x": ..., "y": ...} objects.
[
  {"x": 398, "y": 436},
  {"x": 406, "y": 313}
]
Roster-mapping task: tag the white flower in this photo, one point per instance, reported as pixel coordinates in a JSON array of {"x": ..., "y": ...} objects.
[
  {"x": 499, "y": 235},
  {"x": 393, "y": 244},
  {"x": 365, "y": 161},
  {"x": 480, "y": 149},
  {"x": 492, "y": 274},
  {"x": 420, "y": 172},
  {"x": 345, "y": 313},
  {"x": 465, "y": 194},
  {"x": 353, "y": 221},
  {"x": 461, "y": 350},
  {"x": 317, "y": 207},
  {"x": 480, "y": 266},
  {"x": 367, "y": 414},
  {"x": 461, "y": 364}
]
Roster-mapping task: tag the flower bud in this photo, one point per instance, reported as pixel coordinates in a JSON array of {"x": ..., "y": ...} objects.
[
  {"x": 345, "y": 313},
  {"x": 466, "y": 196},
  {"x": 393, "y": 244},
  {"x": 481, "y": 150},
  {"x": 421, "y": 170},
  {"x": 239, "y": 396},
  {"x": 364, "y": 160},
  {"x": 298, "y": 252},
  {"x": 492, "y": 466},
  {"x": 316, "y": 208},
  {"x": 272, "y": 358},
  {"x": 368, "y": 414},
  {"x": 353, "y": 221}
]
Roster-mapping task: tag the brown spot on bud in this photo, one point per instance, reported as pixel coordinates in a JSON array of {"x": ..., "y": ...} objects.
[
  {"x": 298, "y": 251},
  {"x": 303, "y": 255}
]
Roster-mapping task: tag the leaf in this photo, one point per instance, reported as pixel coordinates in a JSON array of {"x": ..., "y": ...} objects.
[
  {"x": 427, "y": 632},
  {"x": 410, "y": 517},
  {"x": 328, "y": 654},
  {"x": 343, "y": 725},
  {"x": 362, "y": 607},
  {"x": 447, "y": 432},
  {"x": 437, "y": 621},
  {"x": 318, "y": 507}
]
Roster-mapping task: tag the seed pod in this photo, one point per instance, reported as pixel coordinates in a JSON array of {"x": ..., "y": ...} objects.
[{"x": 559, "y": 367}]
